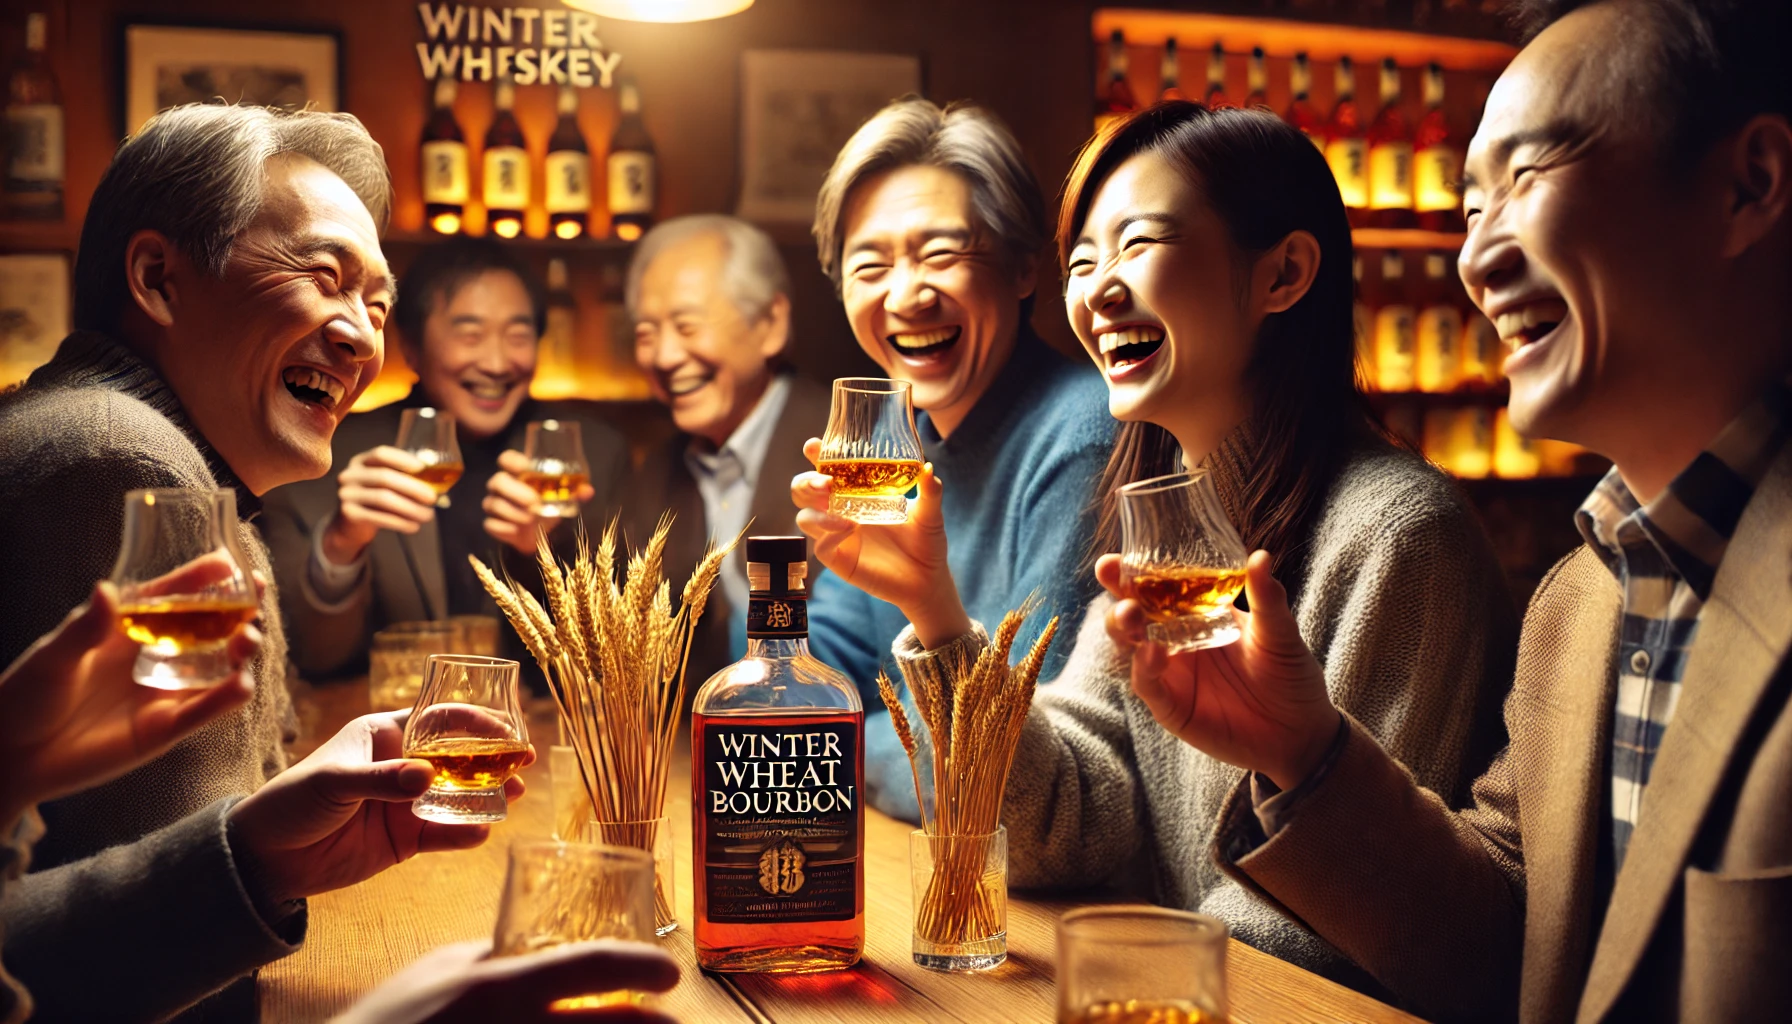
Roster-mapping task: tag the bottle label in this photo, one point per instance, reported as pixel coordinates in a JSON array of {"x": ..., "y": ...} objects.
[
  {"x": 1439, "y": 367},
  {"x": 1390, "y": 176},
  {"x": 34, "y": 143},
  {"x": 568, "y": 181},
  {"x": 631, "y": 182},
  {"x": 1394, "y": 343},
  {"x": 777, "y": 618},
  {"x": 1349, "y": 159},
  {"x": 445, "y": 172},
  {"x": 1436, "y": 171},
  {"x": 781, "y": 821},
  {"x": 506, "y": 178}
]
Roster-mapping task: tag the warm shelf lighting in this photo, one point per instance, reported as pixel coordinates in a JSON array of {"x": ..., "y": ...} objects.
[
  {"x": 628, "y": 232},
  {"x": 660, "y": 10},
  {"x": 507, "y": 227},
  {"x": 446, "y": 223},
  {"x": 568, "y": 230}
]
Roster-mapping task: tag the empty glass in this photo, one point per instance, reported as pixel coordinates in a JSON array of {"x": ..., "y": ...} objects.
[
  {"x": 1182, "y": 560},
  {"x": 653, "y": 837},
  {"x": 871, "y": 450},
  {"x": 397, "y": 658},
  {"x": 558, "y": 468},
  {"x": 1141, "y": 965},
  {"x": 468, "y": 724},
  {"x": 555, "y": 893},
  {"x": 960, "y": 894},
  {"x": 184, "y": 586},
  {"x": 429, "y": 435}
]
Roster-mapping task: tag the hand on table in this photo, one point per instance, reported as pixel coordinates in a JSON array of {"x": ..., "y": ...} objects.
[
  {"x": 377, "y": 492},
  {"x": 513, "y": 508},
  {"x": 344, "y": 813},
  {"x": 1259, "y": 703},
  {"x": 902, "y": 563},
  {"x": 461, "y": 984}
]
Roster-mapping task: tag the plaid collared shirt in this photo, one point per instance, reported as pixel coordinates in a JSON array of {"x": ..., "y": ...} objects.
[{"x": 1665, "y": 556}]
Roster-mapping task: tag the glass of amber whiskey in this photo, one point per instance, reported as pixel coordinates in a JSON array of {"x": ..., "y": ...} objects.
[
  {"x": 557, "y": 467},
  {"x": 655, "y": 839},
  {"x": 1182, "y": 561},
  {"x": 429, "y": 435},
  {"x": 184, "y": 587},
  {"x": 468, "y": 724},
  {"x": 871, "y": 450},
  {"x": 556, "y": 893},
  {"x": 960, "y": 899},
  {"x": 1141, "y": 965}
]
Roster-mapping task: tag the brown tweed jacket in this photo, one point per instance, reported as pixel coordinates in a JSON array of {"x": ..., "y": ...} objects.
[{"x": 1496, "y": 910}]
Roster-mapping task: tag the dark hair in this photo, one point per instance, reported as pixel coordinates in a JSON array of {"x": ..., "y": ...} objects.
[
  {"x": 1709, "y": 65},
  {"x": 1266, "y": 181},
  {"x": 440, "y": 270}
]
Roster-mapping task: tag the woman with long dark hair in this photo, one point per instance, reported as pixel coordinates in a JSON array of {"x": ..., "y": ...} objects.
[{"x": 1207, "y": 263}]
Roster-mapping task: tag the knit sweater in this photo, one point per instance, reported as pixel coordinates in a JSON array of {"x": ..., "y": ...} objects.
[
  {"x": 92, "y": 424},
  {"x": 1403, "y": 603}
]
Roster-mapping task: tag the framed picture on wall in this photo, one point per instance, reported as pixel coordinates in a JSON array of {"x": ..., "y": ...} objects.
[
  {"x": 166, "y": 65},
  {"x": 34, "y": 311},
  {"x": 798, "y": 107}
]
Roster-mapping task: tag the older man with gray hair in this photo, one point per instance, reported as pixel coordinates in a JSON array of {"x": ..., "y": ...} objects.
[{"x": 709, "y": 297}]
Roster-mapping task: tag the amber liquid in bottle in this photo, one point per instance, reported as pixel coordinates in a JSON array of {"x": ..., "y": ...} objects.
[
  {"x": 444, "y": 163},
  {"x": 184, "y": 623}
]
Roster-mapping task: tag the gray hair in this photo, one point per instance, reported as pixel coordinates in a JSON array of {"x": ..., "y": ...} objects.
[
  {"x": 753, "y": 273},
  {"x": 195, "y": 173},
  {"x": 963, "y": 138}
]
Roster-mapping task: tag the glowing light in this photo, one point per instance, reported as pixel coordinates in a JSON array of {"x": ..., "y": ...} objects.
[
  {"x": 568, "y": 229},
  {"x": 628, "y": 232},
  {"x": 509, "y": 227},
  {"x": 660, "y": 10},
  {"x": 446, "y": 223}
]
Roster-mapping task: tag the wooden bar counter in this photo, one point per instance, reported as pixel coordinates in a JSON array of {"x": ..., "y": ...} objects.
[{"x": 363, "y": 934}]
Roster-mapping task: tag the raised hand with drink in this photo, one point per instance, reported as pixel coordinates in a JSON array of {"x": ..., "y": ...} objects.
[
  {"x": 538, "y": 487},
  {"x": 429, "y": 436},
  {"x": 1183, "y": 561}
]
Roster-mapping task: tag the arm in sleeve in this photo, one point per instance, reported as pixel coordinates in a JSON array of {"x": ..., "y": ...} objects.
[
  {"x": 843, "y": 633},
  {"x": 141, "y": 930},
  {"x": 1057, "y": 524},
  {"x": 326, "y": 632}
]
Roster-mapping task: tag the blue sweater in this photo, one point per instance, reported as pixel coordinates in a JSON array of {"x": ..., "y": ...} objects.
[{"x": 1019, "y": 476}]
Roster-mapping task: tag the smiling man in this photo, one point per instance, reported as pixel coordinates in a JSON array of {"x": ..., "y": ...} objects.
[
  {"x": 931, "y": 223},
  {"x": 366, "y": 546},
  {"x": 1628, "y": 857}
]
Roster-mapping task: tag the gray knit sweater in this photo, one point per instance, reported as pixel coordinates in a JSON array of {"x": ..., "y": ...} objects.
[{"x": 1403, "y": 602}]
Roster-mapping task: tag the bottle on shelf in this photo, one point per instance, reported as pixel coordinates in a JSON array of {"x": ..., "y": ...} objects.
[
  {"x": 630, "y": 169},
  {"x": 1437, "y": 164},
  {"x": 1215, "y": 97},
  {"x": 1345, "y": 147},
  {"x": 1483, "y": 354},
  {"x": 445, "y": 177},
  {"x": 1438, "y": 362},
  {"x": 1116, "y": 100},
  {"x": 505, "y": 170},
  {"x": 1365, "y": 329},
  {"x": 1515, "y": 457},
  {"x": 780, "y": 884},
  {"x": 1460, "y": 440},
  {"x": 35, "y": 162},
  {"x": 567, "y": 167},
  {"x": 1171, "y": 77},
  {"x": 1395, "y": 324},
  {"x": 557, "y": 375},
  {"x": 1256, "y": 80},
  {"x": 1390, "y": 158},
  {"x": 1300, "y": 110}
]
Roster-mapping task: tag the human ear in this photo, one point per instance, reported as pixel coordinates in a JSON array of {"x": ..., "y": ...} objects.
[
  {"x": 1026, "y": 278},
  {"x": 1760, "y": 185},
  {"x": 777, "y": 327},
  {"x": 149, "y": 259},
  {"x": 1287, "y": 270}
]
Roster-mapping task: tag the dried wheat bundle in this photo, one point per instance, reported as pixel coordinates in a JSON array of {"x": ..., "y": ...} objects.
[
  {"x": 614, "y": 655},
  {"x": 974, "y": 722}
]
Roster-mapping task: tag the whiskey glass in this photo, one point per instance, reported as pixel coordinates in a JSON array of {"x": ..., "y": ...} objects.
[
  {"x": 655, "y": 839},
  {"x": 184, "y": 585},
  {"x": 468, "y": 724},
  {"x": 556, "y": 893},
  {"x": 557, "y": 467},
  {"x": 429, "y": 435},
  {"x": 871, "y": 449},
  {"x": 960, "y": 899},
  {"x": 396, "y": 661},
  {"x": 1181, "y": 560},
  {"x": 1141, "y": 965}
]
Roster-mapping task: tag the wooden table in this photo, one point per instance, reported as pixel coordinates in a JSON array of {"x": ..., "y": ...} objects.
[{"x": 361, "y": 935}]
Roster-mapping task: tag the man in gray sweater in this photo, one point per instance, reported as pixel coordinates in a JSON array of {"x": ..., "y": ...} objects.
[{"x": 230, "y": 296}]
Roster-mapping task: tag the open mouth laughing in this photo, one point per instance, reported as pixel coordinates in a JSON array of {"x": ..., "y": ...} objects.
[
  {"x": 1128, "y": 348},
  {"x": 488, "y": 391},
  {"x": 313, "y": 387},
  {"x": 680, "y": 385},
  {"x": 1519, "y": 326},
  {"x": 925, "y": 344}
]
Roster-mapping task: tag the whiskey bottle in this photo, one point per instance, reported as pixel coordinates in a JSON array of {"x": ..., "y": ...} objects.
[
  {"x": 505, "y": 177},
  {"x": 1437, "y": 165},
  {"x": 1116, "y": 100},
  {"x": 568, "y": 171},
  {"x": 1256, "y": 80},
  {"x": 1171, "y": 73},
  {"x": 1215, "y": 97},
  {"x": 1345, "y": 148},
  {"x": 1300, "y": 110},
  {"x": 1437, "y": 365},
  {"x": 557, "y": 376},
  {"x": 777, "y": 750},
  {"x": 630, "y": 170},
  {"x": 34, "y": 141},
  {"x": 445, "y": 178},
  {"x": 1394, "y": 327},
  {"x": 1390, "y": 158}
]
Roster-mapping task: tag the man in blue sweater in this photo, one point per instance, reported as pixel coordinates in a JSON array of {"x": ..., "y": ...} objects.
[{"x": 930, "y": 224}]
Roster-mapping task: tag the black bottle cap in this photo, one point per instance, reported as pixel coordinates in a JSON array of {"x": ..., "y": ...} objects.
[{"x": 777, "y": 550}]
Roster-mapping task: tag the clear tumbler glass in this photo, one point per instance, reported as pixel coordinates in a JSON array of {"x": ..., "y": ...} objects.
[
  {"x": 960, "y": 891},
  {"x": 1141, "y": 965}
]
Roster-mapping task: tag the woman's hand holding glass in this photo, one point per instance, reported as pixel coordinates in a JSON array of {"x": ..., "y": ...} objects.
[
  {"x": 902, "y": 563},
  {"x": 1260, "y": 703}
]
